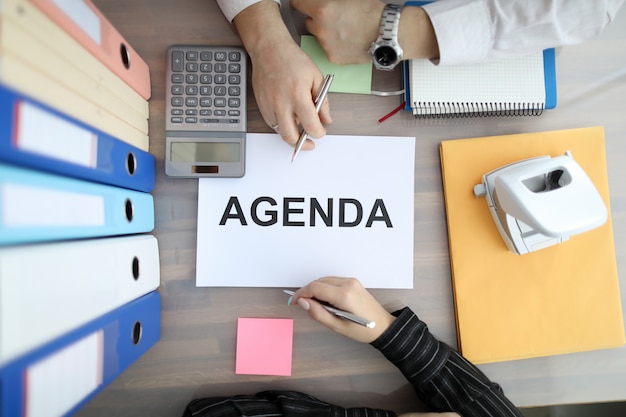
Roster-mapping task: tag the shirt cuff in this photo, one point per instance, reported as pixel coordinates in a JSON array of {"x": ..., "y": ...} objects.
[
  {"x": 463, "y": 30},
  {"x": 409, "y": 345},
  {"x": 232, "y": 8}
]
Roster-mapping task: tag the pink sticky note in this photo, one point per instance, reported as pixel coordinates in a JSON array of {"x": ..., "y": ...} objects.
[{"x": 264, "y": 346}]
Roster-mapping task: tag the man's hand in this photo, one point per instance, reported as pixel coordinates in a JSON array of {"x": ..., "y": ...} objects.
[
  {"x": 345, "y": 29},
  {"x": 284, "y": 79}
]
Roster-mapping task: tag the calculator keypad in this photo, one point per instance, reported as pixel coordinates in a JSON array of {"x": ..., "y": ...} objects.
[{"x": 206, "y": 88}]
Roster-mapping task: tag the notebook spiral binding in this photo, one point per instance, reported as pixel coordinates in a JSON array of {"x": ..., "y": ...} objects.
[{"x": 429, "y": 110}]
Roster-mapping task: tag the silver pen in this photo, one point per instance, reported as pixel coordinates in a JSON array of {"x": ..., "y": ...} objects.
[
  {"x": 342, "y": 314},
  {"x": 319, "y": 100}
]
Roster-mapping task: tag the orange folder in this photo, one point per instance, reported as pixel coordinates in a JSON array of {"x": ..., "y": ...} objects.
[{"x": 557, "y": 300}]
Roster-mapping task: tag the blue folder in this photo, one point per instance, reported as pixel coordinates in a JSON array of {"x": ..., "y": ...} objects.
[
  {"x": 101, "y": 349},
  {"x": 63, "y": 145},
  {"x": 36, "y": 206}
]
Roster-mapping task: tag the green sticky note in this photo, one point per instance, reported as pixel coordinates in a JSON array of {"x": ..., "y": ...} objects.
[{"x": 351, "y": 78}]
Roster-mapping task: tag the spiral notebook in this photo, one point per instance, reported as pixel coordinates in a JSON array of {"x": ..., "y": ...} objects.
[{"x": 521, "y": 86}]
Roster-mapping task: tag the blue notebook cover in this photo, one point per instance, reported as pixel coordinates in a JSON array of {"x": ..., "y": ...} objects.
[
  {"x": 36, "y": 206},
  {"x": 549, "y": 69},
  {"x": 37, "y": 136},
  {"x": 61, "y": 376}
]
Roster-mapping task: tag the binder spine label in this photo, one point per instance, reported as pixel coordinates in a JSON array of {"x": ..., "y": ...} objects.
[
  {"x": 82, "y": 16},
  {"x": 28, "y": 206},
  {"x": 34, "y": 127},
  {"x": 57, "y": 382}
]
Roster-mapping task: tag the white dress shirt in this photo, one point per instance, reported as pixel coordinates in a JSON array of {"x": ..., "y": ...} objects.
[
  {"x": 483, "y": 30},
  {"x": 231, "y": 8}
]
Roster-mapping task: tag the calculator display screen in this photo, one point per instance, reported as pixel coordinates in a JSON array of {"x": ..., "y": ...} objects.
[{"x": 205, "y": 152}]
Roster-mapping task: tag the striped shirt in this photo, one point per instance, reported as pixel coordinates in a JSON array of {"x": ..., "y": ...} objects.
[{"x": 442, "y": 378}]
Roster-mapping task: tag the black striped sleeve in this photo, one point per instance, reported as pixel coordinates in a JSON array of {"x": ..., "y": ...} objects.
[
  {"x": 443, "y": 379},
  {"x": 275, "y": 404}
]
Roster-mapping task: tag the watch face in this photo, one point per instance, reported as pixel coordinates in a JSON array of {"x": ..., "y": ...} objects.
[{"x": 386, "y": 56}]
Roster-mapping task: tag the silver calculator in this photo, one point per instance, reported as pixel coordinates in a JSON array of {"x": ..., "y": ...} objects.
[{"x": 205, "y": 111}]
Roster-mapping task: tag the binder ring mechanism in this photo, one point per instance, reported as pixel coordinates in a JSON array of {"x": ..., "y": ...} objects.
[{"x": 429, "y": 110}]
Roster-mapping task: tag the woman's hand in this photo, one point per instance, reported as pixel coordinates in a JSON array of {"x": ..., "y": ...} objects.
[{"x": 347, "y": 294}]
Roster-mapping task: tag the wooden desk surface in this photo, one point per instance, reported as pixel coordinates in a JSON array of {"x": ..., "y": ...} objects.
[{"x": 196, "y": 354}]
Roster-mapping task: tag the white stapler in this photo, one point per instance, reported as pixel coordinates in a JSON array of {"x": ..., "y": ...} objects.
[{"x": 539, "y": 202}]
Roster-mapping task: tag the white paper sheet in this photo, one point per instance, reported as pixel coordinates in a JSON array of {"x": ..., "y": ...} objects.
[{"x": 375, "y": 173}]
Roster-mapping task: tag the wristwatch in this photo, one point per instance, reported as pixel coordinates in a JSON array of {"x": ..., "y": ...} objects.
[{"x": 386, "y": 52}]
